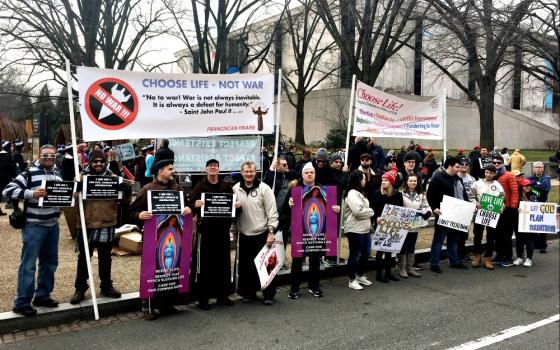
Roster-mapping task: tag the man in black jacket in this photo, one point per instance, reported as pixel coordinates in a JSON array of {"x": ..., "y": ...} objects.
[{"x": 445, "y": 183}]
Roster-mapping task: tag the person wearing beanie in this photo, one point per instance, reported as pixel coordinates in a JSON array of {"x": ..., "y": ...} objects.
[
  {"x": 164, "y": 179},
  {"x": 460, "y": 153},
  {"x": 385, "y": 195},
  {"x": 307, "y": 181},
  {"x": 211, "y": 261},
  {"x": 411, "y": 162},
  {"x": 508, "y": 219},
  {"x": 354, "y": 154},
  {"x": 101, "y": 221},
  {"x": 484, "y": 186},
  {"x": 323, "y": 172},
  {"x": 18, "y": 156},
  {"x": 525, "y": 240},
  {"x": 445, "y": 183}
]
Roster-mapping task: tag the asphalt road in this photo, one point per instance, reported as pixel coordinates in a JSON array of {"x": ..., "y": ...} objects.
[{"x": 432, "y": 312}]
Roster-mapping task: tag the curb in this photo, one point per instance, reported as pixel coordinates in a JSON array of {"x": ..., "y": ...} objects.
[{"x": 129, "y": 302}]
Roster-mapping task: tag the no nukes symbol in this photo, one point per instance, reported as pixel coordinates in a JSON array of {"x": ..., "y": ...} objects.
[{"x": 111, "y": 104}]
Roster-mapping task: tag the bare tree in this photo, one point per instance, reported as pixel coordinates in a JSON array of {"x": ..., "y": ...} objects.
[
  {"x": 368, "y": 32},
  {"x": 96, "y": 33},
  {"x": 216, "y": 33},
  {"x": 312, "y": 51},
  {"x": 541, "y": 46},
  {"x": 481, "y": 34}
]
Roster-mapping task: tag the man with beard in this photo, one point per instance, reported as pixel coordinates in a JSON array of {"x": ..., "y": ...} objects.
[
  {"x": 101, "y": 221},
  {"x": 360, "y": 147},
  {"x": 213, "y": 261},
  {"x": 164, "y": 179},
  {"x": 254, "y": 226},
  {"x": 323, "y": 172}
]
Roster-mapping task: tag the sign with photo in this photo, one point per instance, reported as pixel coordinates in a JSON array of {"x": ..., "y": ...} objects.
[
  {"x": 165, "y": 202},
  {"x": 125, "y": 151},
  {"x": 102, "y": 187},
  {"x": 59, "y": 194},
  {"x": 270, "y": 260}
]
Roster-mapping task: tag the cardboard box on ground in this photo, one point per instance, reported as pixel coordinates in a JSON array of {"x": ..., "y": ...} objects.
[{"x": 130, "y": 240}]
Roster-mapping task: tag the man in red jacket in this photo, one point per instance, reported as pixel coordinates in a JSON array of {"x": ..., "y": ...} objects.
[{"x": 504, "y": 229}]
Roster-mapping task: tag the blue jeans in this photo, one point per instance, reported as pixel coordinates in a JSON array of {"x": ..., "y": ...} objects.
[
  {"x": 39, "y": 242},
  {"x": 440, "y": 233},
  {"x": 360, "y": 245}
]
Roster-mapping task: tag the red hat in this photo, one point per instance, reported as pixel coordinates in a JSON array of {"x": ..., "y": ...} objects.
[
  {"x": 391, "y": 176},
  {"x": 525, "y": 182},
  {"x": 430, "y": 149},
  {"x": 476, "y": 148},
  {"x": 460, "y": 150}
]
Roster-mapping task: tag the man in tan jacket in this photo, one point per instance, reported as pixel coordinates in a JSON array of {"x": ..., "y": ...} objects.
[{"x": 517, "y": 160}]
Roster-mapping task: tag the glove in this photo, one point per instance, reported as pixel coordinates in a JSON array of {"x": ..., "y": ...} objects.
[{"x": 426, "y": 215}]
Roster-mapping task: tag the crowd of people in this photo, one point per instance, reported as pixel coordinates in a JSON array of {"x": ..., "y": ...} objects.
[{"x": 366, "y": 178}]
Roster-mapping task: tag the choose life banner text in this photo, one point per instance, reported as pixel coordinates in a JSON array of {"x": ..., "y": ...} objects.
[
  {"x": 489, "y": 213},
  {"x": 395, "y": 223},
  {"x": 378, "y": 114},
  {"x": 130, "y": 105}
]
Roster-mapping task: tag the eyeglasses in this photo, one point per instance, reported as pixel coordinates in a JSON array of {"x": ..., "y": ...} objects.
[
  {"x": 321, "y": 161},
  {"x": 99, "y": 161},
  {"x": 364, "y": 159},
  {"x": 48, "y": 155},
  {"x": 284, "y": 164},
  {"x": 496, "y": 163}
]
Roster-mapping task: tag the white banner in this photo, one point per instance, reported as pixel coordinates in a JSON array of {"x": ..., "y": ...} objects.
[
  {"x": 378, "y": 114},
  {"x": 270, "y": 260},
  {"x": 456, "y": 214},
  {"x": 390, "y": 234},
  {"x": 130, "y": 105},
  {"x": 537, "y": 217}
]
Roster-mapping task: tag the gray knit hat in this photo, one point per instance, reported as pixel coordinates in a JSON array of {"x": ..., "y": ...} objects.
[
  {"x": 335, "y": 156},
  {"x": 322, "y": 154}
]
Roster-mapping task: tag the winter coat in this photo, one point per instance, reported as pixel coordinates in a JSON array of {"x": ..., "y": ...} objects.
[
  {"x": 481, "y": 187},
  {"x": 511, "y": 188},
  {"x": 516, "y": 161},
  {"x": 357, "y": 213},
  {"x": 258, "y": 209}
]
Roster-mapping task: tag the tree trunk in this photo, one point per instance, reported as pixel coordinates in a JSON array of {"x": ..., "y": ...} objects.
[
  {"x": 300, "y": 135},
  {"x": 486, "y": 112}
]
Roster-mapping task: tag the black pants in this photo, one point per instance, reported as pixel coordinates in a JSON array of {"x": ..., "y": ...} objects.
[
  {"x": 383, "y": 261},
  {"x": 409, "y": 244},
  {"x": 104, "y": 255},
  {"x": 540, "y": 241},
  {"x": 248, "y": 282},
  {"x": 213, "y": 261},
  {"x": 504, "y": 232},
  {"x": 314, "y": 271},
  {"x": 524, "y": 241},
  {"x": 461, "y": 249},
  {"x": 490, "y": 239}
]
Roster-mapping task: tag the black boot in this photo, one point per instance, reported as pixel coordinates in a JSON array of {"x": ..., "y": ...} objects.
[
  {"x": 380, "y": 276},
  {"x": 390, "y": 276},
  {"x": 78, "y": 297}
]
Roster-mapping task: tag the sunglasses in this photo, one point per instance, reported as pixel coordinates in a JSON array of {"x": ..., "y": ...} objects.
[
  {"x": 48, "y": 155},
  {"x": 497, "y": 163},
  {"x": 321, "y": 161},
  {"x": 97, "y": 162},
  {"x": 284, "y": 164}
]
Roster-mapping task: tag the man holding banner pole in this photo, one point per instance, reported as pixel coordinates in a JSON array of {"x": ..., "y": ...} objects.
[{"x": 213, "y": 262}]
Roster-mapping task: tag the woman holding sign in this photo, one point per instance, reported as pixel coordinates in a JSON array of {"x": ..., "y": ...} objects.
[
  {"x": 385, "y": 195},
  {"x": 524, "y": 240},
  {"x": 357, "y": 227},
  {"x": 413, "y": 198}
]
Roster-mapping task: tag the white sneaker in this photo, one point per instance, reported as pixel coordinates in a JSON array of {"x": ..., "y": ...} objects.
[
  {"x": 363, "y": 280},
  {"x": 528, "y": 263},
  {"x": 355, "y": 285},
  {"x": 518, "y": 261}
]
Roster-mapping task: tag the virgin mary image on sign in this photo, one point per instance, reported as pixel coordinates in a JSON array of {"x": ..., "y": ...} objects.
[{"x": 314, "y": 205}]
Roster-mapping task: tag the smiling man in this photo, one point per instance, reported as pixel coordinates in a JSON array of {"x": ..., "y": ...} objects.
[{"x": 39, "y": 235}]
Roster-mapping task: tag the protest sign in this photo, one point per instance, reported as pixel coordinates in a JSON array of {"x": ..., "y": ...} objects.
[
  {"x": 59, "y": 193},
  {"x": 165, "y": 202},
  {"x": 101, "y": 187},
  {"x": 218, "y": 205},
  {"x": 489, "y": 213},
  {"x": 378, "y": 114},
  {"x": 270, "y": 260},
  {"x": 456, "y": 214},
  {"x": 125, "y": 151},
  {"x": 191, "y": 153},
  {"x": 537, "y": 217},
  {"x": 166, "y": 251},
  {"x": 390, "y": 234},
  {"x": 130, "y": 105},
  {"x": 314, "y": 223}
]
